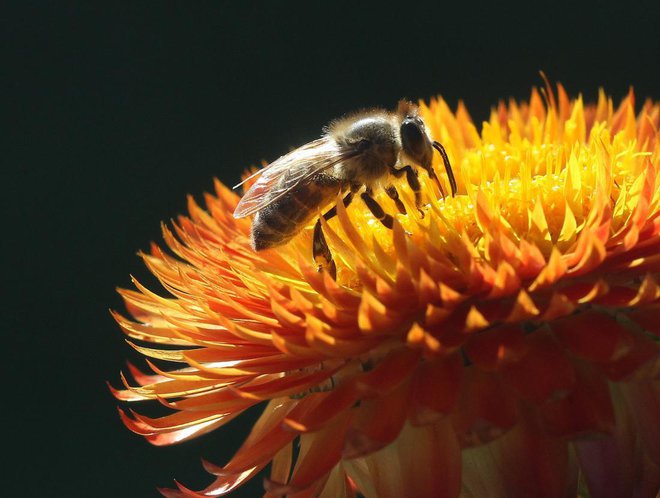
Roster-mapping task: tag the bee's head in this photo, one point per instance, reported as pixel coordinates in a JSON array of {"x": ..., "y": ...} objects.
[{"x": 415, "y": 139}]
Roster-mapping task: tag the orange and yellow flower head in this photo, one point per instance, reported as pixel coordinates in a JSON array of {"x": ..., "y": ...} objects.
[{"x": 501, "y": 343}]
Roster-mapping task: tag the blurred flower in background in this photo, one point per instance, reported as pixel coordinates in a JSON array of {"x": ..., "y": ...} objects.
[{"x": 503, "y": 344}]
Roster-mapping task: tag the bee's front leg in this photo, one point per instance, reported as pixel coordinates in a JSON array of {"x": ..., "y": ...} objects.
[
  {"x": 413, "y": 183},
  {"x": 393, "y": 194}
]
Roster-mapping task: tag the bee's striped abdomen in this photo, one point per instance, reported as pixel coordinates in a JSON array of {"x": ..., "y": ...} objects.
[{"x": 281, "y": 220}]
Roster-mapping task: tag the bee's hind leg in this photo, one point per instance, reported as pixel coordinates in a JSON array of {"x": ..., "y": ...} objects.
[{"x": 320, "y": 250}]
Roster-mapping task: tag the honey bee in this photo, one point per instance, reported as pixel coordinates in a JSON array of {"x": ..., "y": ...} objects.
[{"x": 360, "y": 152}]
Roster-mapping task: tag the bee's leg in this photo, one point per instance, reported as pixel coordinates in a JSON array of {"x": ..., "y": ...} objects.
[
  {"x": 320, "y": 250},
  {"x": 413, "y": 183},
  {"x": 450, "y": 174},
  {"x": 394, "y": 195},
  {"x": 376, "y": 209},
  {"x": 331, "y": 213}
]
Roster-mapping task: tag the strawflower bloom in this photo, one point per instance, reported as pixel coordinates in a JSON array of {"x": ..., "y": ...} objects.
[{"x": 502, "y": 343}]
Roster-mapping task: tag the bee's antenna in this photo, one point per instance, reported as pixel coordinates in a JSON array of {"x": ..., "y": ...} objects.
[{"x": 445, "y": 159}]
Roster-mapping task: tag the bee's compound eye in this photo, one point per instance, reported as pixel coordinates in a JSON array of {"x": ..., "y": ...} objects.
[
  {"x": 411, "y": 130},
  {"x": 415, "y": 142}
]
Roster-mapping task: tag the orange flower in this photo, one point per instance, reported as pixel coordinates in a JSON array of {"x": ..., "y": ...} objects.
[{"x": 503, "y": 344}]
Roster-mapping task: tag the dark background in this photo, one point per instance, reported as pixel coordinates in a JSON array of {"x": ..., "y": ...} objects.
[{"x": 115, "y": 112}]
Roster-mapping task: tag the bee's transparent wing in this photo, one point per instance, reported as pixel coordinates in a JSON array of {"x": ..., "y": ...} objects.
[
  {"x": 256, "y": 173},
  {"x": 284, "y": 174}
]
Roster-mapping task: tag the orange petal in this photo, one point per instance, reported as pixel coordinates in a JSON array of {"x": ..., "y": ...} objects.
[
  {"x": 586, "y": 410},
  {"x": 487, "y": 407},
  {"x": 524, "y": 462},
  {"x": 320, "y": 452},
  {"x": 377, "y": 422},
  {"x": 543, "y": 372},
  {"x": 435, "y": 388},
  {"x": 316, "y": 410},
  {"x": 590, "y": 334},
  {"x": 397, "y": 470},
  {"x": 608, "y": 462},
  {"x": 496, "y": 347}
]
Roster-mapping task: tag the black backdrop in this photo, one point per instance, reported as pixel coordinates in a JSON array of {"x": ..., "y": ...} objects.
[{"x": 115, "y": 112}]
